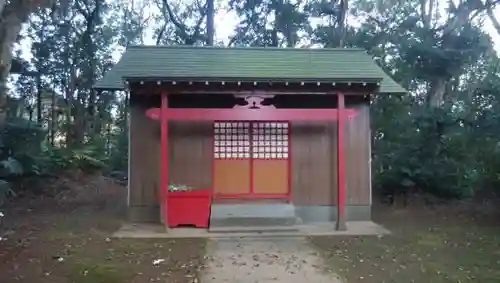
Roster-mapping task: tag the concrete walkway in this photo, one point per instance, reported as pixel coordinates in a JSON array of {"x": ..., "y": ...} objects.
[{"x": 261, "y": 260}]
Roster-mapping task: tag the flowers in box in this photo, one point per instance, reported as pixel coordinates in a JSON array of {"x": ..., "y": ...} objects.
[{"x": 178, "y": 187}]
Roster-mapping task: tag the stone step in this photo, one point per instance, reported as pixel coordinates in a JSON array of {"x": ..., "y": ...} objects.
[
  {"x": 253, "y": 221},
  {"x": 276, "y": 236},
  {"x": 264, "y": 216},
  {"x": 252, "y": 210},
  {"x": 254, "y": 229}
]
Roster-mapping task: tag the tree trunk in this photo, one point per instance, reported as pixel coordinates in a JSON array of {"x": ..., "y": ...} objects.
[
  {"x": 426, "y": 11},
  {"x": 39, "y": 98},
  {"x": 343, "y": 22},
  {"x": 53, "y": 119},
  {"x": 491, "y": 15},
  {"x": 210, "y": 22},
  {"x": 10, "y": 27},
  {"x": 12, "y": 15},
  {"x": 3, "y": 4},
  {"x": 278, "y": 5},
  {"x": 435, "y": 97}
]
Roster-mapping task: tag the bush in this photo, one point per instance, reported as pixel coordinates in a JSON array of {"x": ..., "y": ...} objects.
[
  {"x": 424, "y": 150},
  {"x": 23, "y": 155}
]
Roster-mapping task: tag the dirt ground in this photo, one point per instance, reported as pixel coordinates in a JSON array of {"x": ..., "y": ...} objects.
[
  {"x": 449, "y": 243},
  {"x": 66, "y": 240},
  {"x": 270, "y": 259}
]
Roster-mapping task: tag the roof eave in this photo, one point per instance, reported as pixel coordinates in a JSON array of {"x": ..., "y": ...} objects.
[
  {"x": 248, "y": 79},
  {"x": 398, "y": 92},
  {"x": 108, "y": 86}
]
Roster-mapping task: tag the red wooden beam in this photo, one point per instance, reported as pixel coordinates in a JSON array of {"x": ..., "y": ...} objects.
[
  {"x": 164, "y": 158},
  {"x": 341, "y": 181},
  {"x": 242, "y": 114}
]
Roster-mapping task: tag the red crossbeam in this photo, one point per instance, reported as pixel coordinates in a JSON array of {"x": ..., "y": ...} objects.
[{"x": 243, "y": 114}]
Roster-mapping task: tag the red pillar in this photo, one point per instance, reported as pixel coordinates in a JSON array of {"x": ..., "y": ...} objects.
[
  {"x": 164, "y": 158},
  {"x": 341, "y": 180}
]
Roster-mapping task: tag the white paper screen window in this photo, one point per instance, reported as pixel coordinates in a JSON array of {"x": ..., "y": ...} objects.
[
  {"x": 270, "y": 140},
  {"x": 231, "y": 140}
]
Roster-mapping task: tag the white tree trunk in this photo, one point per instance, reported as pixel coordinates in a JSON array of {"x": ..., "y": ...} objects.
[
  {"x": 491, "y": 15},
  {"x": 12, "y": 16},
  {"x": 3, "y": 3},
  {"x": 10, "y": 27}
]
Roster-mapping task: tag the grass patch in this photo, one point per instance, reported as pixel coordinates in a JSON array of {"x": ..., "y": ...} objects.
[{"x": 434, "y": 247}]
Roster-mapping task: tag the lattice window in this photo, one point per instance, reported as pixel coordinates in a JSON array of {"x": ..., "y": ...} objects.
[
  {"x": 270, "y": 140},
  {"x": 231, "y": 140}
]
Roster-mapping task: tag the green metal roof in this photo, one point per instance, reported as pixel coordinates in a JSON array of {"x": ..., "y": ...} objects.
[{"x": 233, "y": 64}]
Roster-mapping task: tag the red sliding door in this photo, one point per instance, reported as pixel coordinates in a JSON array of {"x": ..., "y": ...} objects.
[{"x": 251, "y": 159}]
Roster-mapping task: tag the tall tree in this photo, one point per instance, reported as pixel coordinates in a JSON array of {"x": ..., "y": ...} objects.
[
  {"x": 175, "y": 26},
  {"x": 269, "y": 22},
  {"x": 210, "y": 22},
  {"x": 13, "y": 13}
]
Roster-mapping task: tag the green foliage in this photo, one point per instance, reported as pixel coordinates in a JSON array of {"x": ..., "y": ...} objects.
[
  {"x": 445, "y": 152},
  {"x": 442, "y": 138},
  {"x": 24, "y": 154},
  {"x": 118, "y": 157},
  {"x": 58, "y": 159},
  {"x": 10, "y": 166},
  {"x": 21, "y": 135},
  {"x": 5, "y": 191}
]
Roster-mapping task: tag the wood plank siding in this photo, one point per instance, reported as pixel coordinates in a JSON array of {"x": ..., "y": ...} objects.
[
  {"x": 358, "y": 156},
  {"x": 314, "y": 161},
  {"x": 144, "y": 165},
  {"x": 190, "y": 147},
  {"x": 313, "y": 154}
]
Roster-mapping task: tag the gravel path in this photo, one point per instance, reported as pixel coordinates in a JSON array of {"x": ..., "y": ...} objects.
[{"x": 261, "y": 260}]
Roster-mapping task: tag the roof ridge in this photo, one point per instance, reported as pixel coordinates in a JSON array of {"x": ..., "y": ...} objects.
[{"x": 141, "y": 46}]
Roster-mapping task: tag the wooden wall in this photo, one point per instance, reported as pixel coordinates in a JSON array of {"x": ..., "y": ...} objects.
[
  {"x": 358, "y": 158},
  {"x": 190, "y": 148},
  {"x": 313, "y": 156},
  {"x": 314, "y": 161},
  {"x": 143, "y": 165}
]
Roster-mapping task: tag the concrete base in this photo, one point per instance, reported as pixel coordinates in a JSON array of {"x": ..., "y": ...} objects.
[
  {"x": 305, "y": 213},
  {"x": 328, "y": 213},
  {"x": 276, "y": 214},
  {"x": 354, "y": 228}
]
